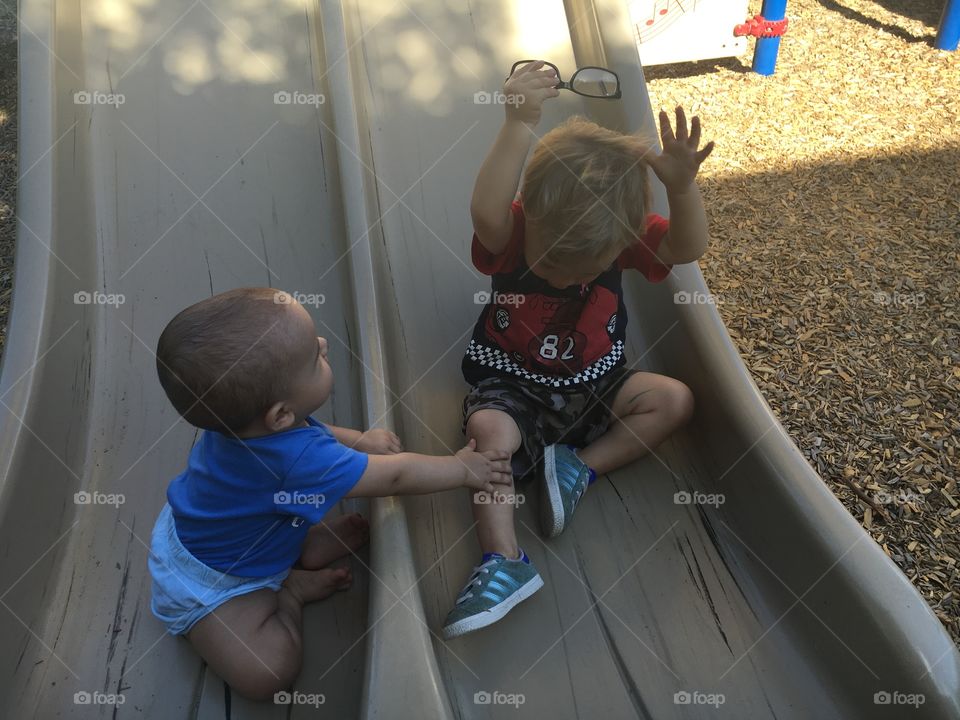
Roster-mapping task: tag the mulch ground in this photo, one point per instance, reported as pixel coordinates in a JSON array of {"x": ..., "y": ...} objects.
[{"x": 834, "y": 198}]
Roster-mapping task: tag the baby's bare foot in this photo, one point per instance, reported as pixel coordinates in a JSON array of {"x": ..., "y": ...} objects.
[
  {"x": 311, "y": 585},
  {"x": 332, "y": 540}
]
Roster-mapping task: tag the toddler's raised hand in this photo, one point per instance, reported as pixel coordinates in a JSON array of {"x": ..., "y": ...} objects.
[
  {"x": 680, "y": 160},
  {"x": 526, "y": 89},
  {"x": 483, "y": 469}
]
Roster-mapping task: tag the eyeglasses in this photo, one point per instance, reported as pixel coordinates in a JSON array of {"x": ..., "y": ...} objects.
[{"x": 589, "y": 81}]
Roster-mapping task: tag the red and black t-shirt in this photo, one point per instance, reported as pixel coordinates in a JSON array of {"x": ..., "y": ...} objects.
[{"x": 533, "y": 331}]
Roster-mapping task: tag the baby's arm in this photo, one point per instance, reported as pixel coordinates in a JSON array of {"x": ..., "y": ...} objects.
[
  {"x": 677, "y": 168},
  {"x": 375, "y": 442},
  {"x": 499, "y": 175},
  {"x": 345, "y": 436},
  {"x": 413, "y": 474}
]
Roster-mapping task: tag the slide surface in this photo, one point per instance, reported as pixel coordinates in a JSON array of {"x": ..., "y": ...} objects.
[{"x": 174, "y": 150}]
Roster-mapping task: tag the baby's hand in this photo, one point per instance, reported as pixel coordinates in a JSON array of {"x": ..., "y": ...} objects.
[
  {"x": 680, "y": 160},
  {"x": 483, "y": 469},
  {"x": 379, "y": 442},
  {"x": 526, "y": 90}
]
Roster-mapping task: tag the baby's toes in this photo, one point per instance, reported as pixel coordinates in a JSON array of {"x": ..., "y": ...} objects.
[
  {"x": 360, "y": 524},
  {"x": 312, "y": 585},
  {"x": 343, "y": 578}
]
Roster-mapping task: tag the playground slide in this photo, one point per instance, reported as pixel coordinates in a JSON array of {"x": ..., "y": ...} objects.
[{"x": 170, "y": 151}]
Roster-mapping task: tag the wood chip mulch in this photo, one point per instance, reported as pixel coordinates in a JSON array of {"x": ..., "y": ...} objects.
[{"x": 834, "y": 198}]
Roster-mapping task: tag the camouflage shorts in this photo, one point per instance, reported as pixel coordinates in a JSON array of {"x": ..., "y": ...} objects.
[{"x": 576, "y": 416}]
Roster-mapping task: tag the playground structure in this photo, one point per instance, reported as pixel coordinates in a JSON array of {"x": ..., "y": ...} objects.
[
  {"x": 357, "y": 187},
  {"x": 669, "y": 31},
  {"x": 948, "y": 32}
]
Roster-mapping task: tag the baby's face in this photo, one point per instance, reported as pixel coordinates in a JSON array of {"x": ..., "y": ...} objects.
[{"x": 313, "y": 378}]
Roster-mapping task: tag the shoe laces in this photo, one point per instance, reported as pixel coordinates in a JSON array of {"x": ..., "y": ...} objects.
[{"x": 476, "y": 579}]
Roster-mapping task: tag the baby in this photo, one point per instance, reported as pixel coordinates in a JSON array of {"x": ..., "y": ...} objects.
[
  {"x": 239, "y": 548},
  {"x": 550, "y": 386}
]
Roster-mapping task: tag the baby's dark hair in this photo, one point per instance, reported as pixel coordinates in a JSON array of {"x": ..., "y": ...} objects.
[{"x": 225, "y": 360}]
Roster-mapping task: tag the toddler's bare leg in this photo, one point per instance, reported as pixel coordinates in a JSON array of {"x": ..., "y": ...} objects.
[
  {"x": 647, "y": 409},
  {"x": 495, "y": 430},
  {"x": 254, "y": 641},
  {"x": 331, "y": 540}
]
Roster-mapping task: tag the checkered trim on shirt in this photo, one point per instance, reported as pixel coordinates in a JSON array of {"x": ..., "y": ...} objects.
[{"x": 500, "y": 361}]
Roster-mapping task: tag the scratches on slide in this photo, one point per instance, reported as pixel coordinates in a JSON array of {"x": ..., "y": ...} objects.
[
  {"x": 206, "y": 259},
  {"x": 626, "y": 677},
  {"x": 703, "y": 589},
  {"x": 623, "y": 503},
  {"x": 715, "y": 541}
]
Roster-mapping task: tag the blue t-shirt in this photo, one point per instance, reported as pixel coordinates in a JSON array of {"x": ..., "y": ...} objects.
[{"x": 244, "y": 507}]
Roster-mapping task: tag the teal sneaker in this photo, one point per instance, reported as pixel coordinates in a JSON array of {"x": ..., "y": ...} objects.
[
  {"x": 565, "y": 480},
  {"x": 496, "y": 586}
]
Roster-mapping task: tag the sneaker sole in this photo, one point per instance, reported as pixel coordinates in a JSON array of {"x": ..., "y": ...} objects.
[
  {"x": 488, "y": 617},
  {"x": 551, "y": 511}
]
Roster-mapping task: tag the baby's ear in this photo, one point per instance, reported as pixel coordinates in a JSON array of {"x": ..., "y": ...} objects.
[{"x": 279, "y": 417}]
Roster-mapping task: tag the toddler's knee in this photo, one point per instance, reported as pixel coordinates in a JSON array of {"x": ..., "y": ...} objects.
[
  {"x": 493, "y": 429},
  {"x": 679, "y": 403}
]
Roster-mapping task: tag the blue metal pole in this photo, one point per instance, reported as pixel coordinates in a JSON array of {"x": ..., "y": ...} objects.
[
  {"x": 765, "y": 54},
  {"x": 948, "y": 36}
]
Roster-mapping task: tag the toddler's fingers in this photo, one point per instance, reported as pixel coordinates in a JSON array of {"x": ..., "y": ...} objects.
[
  {"x": 471, "y": 444},
  {"x": 496, "y": 454},
  {"x": 501, "y": 466},
  {"x": 695, "y": 131},
  {"x": 545, "y": 73},
  {"x": 529, "y": 67},
  {"x": 681, "y": 123},
  {"x": 503, "y": 478},
  {"x": 666, "y": 132},
  {"x": 703, "y": 154}
]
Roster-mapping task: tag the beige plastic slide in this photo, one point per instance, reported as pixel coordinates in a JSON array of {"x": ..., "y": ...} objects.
[{"x": 174, "y": 150}]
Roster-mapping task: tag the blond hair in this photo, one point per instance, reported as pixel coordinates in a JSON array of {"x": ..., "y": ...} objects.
[{"x": 585, "y": 190}]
